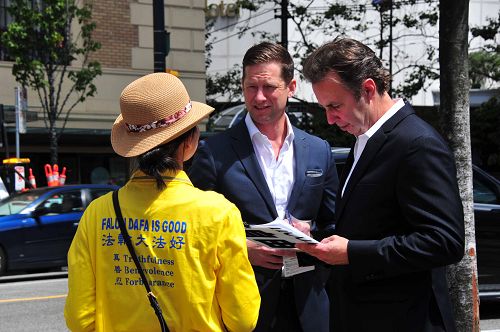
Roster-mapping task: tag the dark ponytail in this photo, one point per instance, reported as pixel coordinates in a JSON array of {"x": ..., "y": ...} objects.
[{"x": 162, "y": 158}]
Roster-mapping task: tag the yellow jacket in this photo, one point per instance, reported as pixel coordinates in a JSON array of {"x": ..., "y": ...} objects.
[{"x": 193, "y": 249}]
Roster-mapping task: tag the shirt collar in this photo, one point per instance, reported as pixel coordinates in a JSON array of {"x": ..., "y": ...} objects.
[
  {"x": 167, "y": 176},
  {"x": 254, "y": 132},
  {"x": 386, "y": 116}
]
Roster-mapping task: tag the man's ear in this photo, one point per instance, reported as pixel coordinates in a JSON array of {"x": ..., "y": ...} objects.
[
  {"x": 292, "y": 87},
  {"x": 369, "y": 88}
]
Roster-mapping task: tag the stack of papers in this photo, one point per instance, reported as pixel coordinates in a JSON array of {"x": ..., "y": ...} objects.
[{"x": 279, "y": 234}]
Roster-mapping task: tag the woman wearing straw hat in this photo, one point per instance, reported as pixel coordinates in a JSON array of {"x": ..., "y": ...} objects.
[{"x": 190, "y": 244}]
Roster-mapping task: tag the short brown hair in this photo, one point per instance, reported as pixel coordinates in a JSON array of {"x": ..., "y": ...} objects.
[
  {"x": 267, "y": 52},
  {"x": 353, "y": 61}
]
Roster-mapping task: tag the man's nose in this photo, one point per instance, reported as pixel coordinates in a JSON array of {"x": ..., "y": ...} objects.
[
  {"x": 330, "y": 118},
  {"x": 260, "y": 94}
]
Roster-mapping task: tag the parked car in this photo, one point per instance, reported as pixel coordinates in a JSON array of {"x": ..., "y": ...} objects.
[
  {"x": 486, "y": 192},
  {"x": 231, "y": 116},
  {"x": 37, "y": 226},
  {"x": 228, "y": 118}
]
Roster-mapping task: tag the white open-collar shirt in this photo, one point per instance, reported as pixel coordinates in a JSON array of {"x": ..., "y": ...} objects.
[
  {"x": 361, "y": 140},
  {"x": 278, "y": 172}
]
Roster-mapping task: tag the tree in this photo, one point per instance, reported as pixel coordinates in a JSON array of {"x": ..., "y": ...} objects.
[
  {"x": 454, "y": 113},
  {"x": 227, "y": 85},
  {"x": 484, "y": 69},
  {"x": 413, "y": 22},
  {"x": 43, "y": 48}
]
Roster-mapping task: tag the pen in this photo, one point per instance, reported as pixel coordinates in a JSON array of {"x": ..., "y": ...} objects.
[{"x": 288, "y": 217}]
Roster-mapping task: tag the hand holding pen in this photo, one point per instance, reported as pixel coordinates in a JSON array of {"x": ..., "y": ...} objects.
[{"x": 301, "y": 225}]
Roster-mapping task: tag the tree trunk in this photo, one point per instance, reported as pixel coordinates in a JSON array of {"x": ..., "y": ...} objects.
[
  {"x": 454, "y": 114},
  {"x": 53, "y": 145},
  {"x": 52, "y": 114}
]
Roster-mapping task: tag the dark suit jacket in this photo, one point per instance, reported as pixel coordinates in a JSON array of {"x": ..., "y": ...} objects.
[
  {"x": 226, "y": 163},
  {"x": 402, "y": 214}
]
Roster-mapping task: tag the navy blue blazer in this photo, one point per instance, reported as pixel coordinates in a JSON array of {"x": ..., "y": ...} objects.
[
  {"x": 226, "y": 163},
  {"x": 402, "y": 214}
]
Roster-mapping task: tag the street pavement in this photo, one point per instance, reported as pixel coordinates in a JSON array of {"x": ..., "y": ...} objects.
[{"x": 35, "y": 302}]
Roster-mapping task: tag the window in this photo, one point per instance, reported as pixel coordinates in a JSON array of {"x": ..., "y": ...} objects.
[
  {"x": 483, "y": 191},
  {"x": 15, "y": 203},
  {"x": 5, "y": 20},
  {"x": 65, "y": 202},
  {"x": 95, "y": 193}
]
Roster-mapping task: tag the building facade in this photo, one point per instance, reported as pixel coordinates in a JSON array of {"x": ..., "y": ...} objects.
[{"x": 125, "y": 30}]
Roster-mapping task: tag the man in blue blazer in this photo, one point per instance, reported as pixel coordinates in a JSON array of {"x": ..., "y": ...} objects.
[
  {"x": 399, "y": 216},
  {"x": 269, "y": 168}
]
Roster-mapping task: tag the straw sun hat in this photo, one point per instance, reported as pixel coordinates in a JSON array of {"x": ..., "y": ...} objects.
[{"x": 155, "y": 109}]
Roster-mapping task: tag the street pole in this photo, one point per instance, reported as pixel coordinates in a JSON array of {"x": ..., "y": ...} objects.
[
  {"x": 390, "y": 47},
  {"x": 284, "y": 23},
  {"x": 18, "y": 111},
  {"x": 161, "y": 38}
]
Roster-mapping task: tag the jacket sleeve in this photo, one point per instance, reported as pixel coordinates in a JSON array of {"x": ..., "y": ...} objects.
[
  {"x": 79, "y": 310},
  {"x": 236, "y": 290},
  {"x": 202, "y": 172}
]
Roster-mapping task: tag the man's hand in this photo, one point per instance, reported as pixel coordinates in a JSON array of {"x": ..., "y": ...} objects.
[
  {"x": 302, "y": 226},
  {"x": 332, "y": 250},
  {"x": 267, "y": 257}
]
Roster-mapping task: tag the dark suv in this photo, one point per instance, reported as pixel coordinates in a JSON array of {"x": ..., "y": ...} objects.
[{"x": 486, "y": 191}]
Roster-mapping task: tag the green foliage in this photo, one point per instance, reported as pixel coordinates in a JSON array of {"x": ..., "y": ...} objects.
[
  {"x": 227, "y": 85},
  {"x": 483, "y": 65},
  {"x": 352, "y": 18},
  {"x": 488, "y": 31},
  {"x": 43, "y": 47},
  {"x": 415, "y": 72},
  {"x": 413, "y": 17},
  {"x": 416, "y": 80}
]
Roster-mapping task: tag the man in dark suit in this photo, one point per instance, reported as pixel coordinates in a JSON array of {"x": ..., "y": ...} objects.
[
  {"x": 269, "y": 168},
  {"x": 399, "y": 217}
]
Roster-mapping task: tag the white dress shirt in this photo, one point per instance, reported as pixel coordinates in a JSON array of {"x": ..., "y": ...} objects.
[
  {"x": 278, "y": 172},
  {"x": 361, "y": 140}
]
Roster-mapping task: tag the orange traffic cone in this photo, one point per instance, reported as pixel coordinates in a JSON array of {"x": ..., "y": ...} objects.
[
  {"x": 31, "y": 179},
  {"x": 55, "y": 174},
  {"x": 62, "y": 177},
  {"x": 49, "y": 175}
]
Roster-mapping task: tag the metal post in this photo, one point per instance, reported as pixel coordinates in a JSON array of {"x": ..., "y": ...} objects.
[
  {"x": 18, "y": 111},
  {"x": 284, "y": 23},
  {"x": 159, "y": 36}
]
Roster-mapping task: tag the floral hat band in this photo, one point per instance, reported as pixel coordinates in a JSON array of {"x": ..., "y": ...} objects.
[{"x": 160, "y": 123}]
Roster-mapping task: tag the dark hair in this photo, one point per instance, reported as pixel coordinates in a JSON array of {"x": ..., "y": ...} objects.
[
  {"x": 268, "y": 52},
  {"x": 162, "y": 158},
  {"x": 353, "y": 61}
]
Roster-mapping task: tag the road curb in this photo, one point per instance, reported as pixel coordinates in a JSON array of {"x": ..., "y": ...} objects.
[{"x": 33, "y": 276}]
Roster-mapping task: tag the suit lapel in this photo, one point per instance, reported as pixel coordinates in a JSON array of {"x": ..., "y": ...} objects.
[
  {"x": 243, "y": 148},
  {"x": 347, "y": 167},
  {"x": 371, "y": 149},
  {"x": 301, "y": 155},
  {"x": 340, "y": 201}
]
